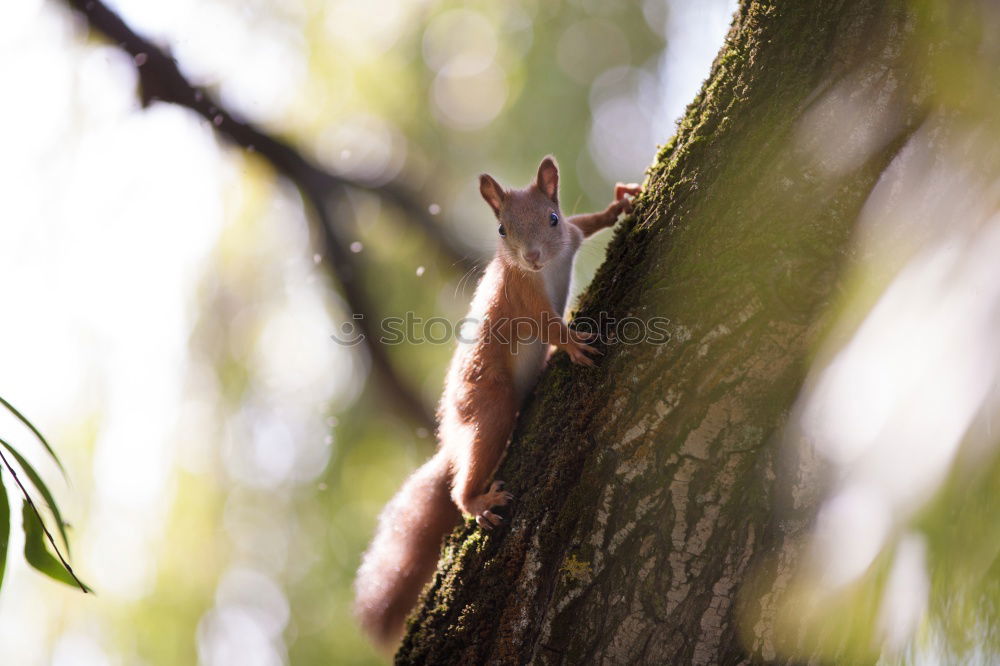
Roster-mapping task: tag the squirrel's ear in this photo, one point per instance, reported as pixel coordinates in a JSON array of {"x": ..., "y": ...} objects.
[
  {"x": 547, "y": 179},
  {"x": 492, "y": 192}
]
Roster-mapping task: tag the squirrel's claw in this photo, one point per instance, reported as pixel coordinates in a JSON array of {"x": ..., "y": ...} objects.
[
  {"x": 488, "y": 520},
  {"x": 630, "y": 189},
  {"x": 580, "y": 353},
  {"x": 624, "y": 193},
  {"x": 495, "y": 496},
  {"x": 498, "y": 495}
]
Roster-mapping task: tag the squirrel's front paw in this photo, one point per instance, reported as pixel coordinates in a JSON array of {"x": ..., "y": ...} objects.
[
  {"x": 631, "y": 189},
  {"x": 624, "y": 194},
  {"x": 495, "y": 496},
  {"x": 580, "y": 352}
]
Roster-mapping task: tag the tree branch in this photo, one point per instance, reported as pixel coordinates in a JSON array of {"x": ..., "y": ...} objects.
[{"x": 161, "y": 79}]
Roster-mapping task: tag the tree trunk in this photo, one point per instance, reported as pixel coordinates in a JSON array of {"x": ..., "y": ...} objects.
[{"x": 655, "y": 520}]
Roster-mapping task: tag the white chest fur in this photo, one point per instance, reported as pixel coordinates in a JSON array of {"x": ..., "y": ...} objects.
[{"x": 557, "y": 276}]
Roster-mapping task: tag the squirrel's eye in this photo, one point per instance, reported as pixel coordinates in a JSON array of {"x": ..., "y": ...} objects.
[
  {"x": 503, "y": 232},
  {"x": 553, "y": 219}
]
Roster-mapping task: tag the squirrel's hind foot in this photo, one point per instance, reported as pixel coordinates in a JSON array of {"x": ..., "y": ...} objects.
[{"x": 495, "y": 496}]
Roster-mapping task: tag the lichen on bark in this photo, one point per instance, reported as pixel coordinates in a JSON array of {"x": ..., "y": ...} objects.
[{"x": 649, "y": 487}]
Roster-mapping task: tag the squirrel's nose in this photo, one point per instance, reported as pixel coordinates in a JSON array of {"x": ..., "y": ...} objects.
[{"x": 532, "y": 257}]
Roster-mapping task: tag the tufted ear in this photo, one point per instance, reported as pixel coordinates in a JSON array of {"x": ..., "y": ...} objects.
[
  {"x": 492, "y": 192},
  {"x": 547, "y": 179}
]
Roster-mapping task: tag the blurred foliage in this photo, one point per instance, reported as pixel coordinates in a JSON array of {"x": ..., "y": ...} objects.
[{"x": 936, "y": 570}]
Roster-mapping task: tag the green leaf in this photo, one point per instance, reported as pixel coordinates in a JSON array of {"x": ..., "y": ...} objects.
[
  {"x": 36, "y": 481},
  {"x": 4, "y": 528},
  {"x": 36, "y": 552},
  {"x": 32, "y": 428}
]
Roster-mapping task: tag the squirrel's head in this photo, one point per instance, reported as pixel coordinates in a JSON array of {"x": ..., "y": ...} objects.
[{"x": 532, "y": 230}]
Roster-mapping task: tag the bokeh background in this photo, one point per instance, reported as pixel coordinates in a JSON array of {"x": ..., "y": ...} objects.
[{"x": 167, "y": 322}]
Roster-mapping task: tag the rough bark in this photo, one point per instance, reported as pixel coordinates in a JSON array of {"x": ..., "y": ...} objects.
[{"x": 657, "y": 517}]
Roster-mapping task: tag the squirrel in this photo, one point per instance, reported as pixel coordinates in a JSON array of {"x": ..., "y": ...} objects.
[{"x": 518, "y": 307}]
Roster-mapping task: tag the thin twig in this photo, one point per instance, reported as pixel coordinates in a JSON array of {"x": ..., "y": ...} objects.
[
  {"x": 31, "y": 503},
  {"x": 333, "y": 248},
  {"x": 161, "y": 79}
]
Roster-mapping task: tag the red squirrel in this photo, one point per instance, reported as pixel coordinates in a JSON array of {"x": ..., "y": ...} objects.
[{"x": 528, "y": 280}]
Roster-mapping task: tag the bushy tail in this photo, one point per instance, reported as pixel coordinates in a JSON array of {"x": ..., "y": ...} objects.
[{"x": 404, "y": 553}]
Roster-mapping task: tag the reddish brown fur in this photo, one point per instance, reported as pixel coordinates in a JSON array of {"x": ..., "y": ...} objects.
[{"x": 486, "y": 382}]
